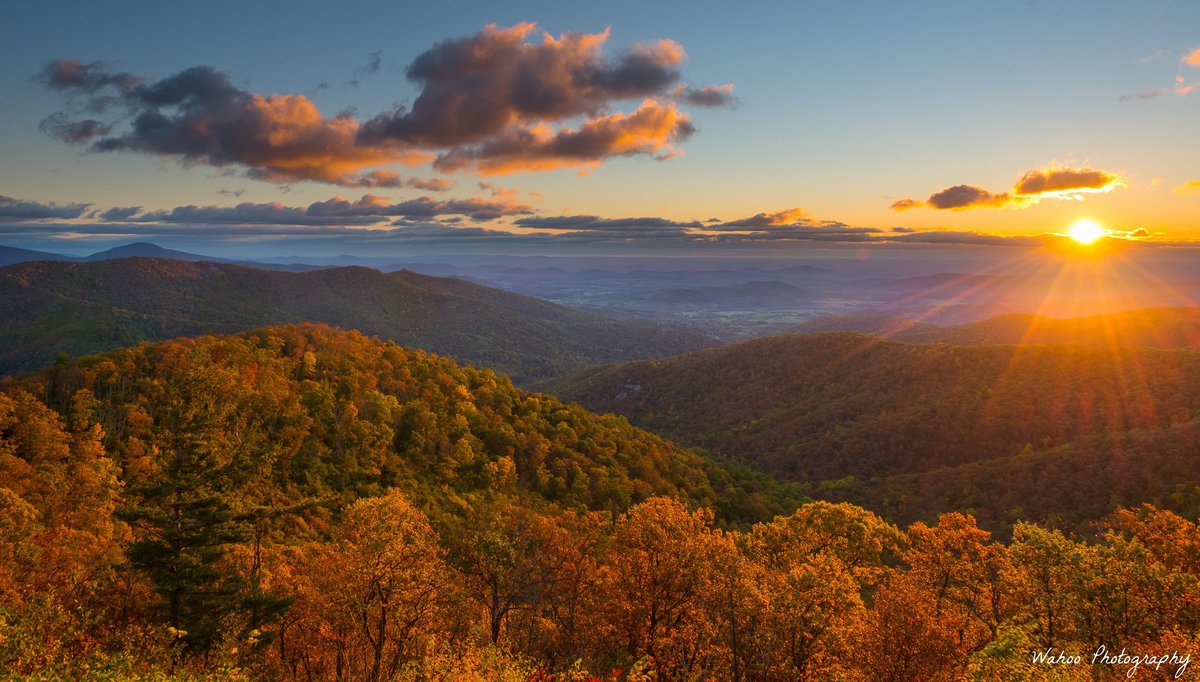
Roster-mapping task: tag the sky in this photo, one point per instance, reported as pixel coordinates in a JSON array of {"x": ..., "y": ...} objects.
[{"x": 596, "y": 127}]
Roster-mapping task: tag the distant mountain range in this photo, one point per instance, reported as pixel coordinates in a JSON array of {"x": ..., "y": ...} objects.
[
  {"x": 87, "y": 306},
  {"x": 11, "y": 255},
  {"x": 915, "y": 430}
]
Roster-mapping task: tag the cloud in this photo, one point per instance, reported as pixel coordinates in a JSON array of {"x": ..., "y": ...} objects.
[
  {"x": 592, "y": 222},
  {"x": 710, "y": 96},
  {"x": 61, "y": 127},
  {"x": 119, "y": 213},
  {"x": 966, "y": 196},
  {"x": 372, "y": 67},
  {"x": 1188, "y": 189},
  {"x": 650, "y": 130},
  {"x": 789, "y": 216},
  {"x": 70, "y": 75},
  {"x": 978, "y": 238},
  {"x": 368, "y": 210},
  {"x": 423, "y": 207},
  {"x": 479, "y": 86},
  {"x": 495, "y": 102},
  {"x": 788, "y": 224},
  {"x": 16, "y": 209},
  {"x": 1192, "y": 58},
  {"x": 1057, "y": 182},
  {"x": 1145, "y": 94},
  {"x": 390, "y": 179},
  {"x": 199, "y": 116}
]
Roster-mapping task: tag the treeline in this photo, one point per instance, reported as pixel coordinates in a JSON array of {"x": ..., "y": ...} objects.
[{"x": 917, "y": 429}]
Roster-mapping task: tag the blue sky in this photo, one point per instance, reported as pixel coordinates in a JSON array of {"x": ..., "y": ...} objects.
[{"x": 843, "y": 108}]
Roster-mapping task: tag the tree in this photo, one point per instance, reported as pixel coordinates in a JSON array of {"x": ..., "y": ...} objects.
[{"x": 208, "y": 442}]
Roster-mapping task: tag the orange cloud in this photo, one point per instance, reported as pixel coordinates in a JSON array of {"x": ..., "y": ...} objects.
[
  {"x": 1066, "y": 181},
  {"x": 1053, "y": 182},
  {"x": 1188, "y": 189},
  {"x": 650, "y": 130},
  {"x": 1192, "y": 58}
]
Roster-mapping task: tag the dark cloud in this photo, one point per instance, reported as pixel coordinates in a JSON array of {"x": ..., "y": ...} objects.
[
  {"x": 391, "y": 179},
  {"x": 73, "y": 76},
  {"x": 61, "y": 127},
  {"x": 966, "y": 196},
  {"x": 475, "y": 87},
  {"x": 710, "y": 96},
  {"x": 368, "y": 210},
  {"x": 424, "y": 207},
  {"x": 372, "y": 67},
  {"x": 788, "y": 224},
  {"x": 246, "y": 213},
  {"x": 119, "y": 213},
  {"x": 16, "y": 209},
  {"x": 592, "y": 222}
]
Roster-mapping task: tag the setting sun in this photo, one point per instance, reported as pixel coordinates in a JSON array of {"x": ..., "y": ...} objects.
[{"x": 1086, "y": 231}]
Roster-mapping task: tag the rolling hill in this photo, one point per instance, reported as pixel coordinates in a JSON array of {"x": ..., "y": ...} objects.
[
  {"x": 913, "y": 430},
  {"x": 86, "y": 307}
]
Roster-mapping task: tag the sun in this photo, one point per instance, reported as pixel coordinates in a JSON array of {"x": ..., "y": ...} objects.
[{"x": 1086, "y": 231}]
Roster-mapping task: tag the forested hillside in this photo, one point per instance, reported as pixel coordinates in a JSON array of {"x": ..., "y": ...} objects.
[
  {"x": 78, "y": 308},
  {"x": 1150, "y": 328},
  {"x": 913, "y": 430},
  {"x": 300, "y": 503}
]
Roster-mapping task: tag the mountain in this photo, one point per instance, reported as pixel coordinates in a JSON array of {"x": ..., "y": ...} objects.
[
  {"x": 147, "y": 250},
  {"x": 879, "y": 422},
  {"x": 361, "y": 414},
  {"x": 1151, "y": 327},
  {"x": 76, "y": 308},
  {"x": 11, "y": 254}
]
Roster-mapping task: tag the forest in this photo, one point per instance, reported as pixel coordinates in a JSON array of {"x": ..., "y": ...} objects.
[
  {"x": 302, "y": 503},
  {"x": 1067, "y": 433}
]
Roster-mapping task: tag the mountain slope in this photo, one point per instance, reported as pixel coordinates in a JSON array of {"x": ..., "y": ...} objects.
[
  {"x": 1150, "y": 327},
  {"x": 12, "y": 254},
  {"x": 81, "y": 308},
  {"x": 847, "y": 413}
]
